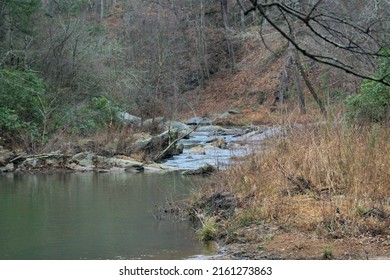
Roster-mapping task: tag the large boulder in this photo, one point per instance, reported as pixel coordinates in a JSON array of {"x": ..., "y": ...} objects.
[
  {"x": 159, "y": 147},
  {"x": 7, "y": 168},
  {"x": 83, "y": 159},
  {"x": 182, "y": 128},
  {"x": 162, "y": 124},
  {"x": 156, "y": 122},
  {"x": 128, "y": 119},
  {"x": 5, "y": 156},
  {"x": 141, "y": 144}
]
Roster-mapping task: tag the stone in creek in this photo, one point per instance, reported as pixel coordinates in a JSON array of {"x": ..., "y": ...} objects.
[
  {"x": 198, "y": 121},
  {"x": 206, "y": 169},
  {"x": 197, "y": 150}
]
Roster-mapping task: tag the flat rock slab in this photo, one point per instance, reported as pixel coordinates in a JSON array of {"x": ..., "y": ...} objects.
[
  {"x": 88, "y": 161},
  {"x": 198, "y": 121},
  {"x": 156, "y": 167},
  {"x": 210, "y": 128}
]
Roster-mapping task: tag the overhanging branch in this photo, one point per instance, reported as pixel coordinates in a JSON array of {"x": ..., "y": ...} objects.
[{"x": 340, "y": 39}]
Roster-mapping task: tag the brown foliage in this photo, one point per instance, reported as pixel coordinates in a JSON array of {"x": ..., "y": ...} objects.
[{"x": 323, "y": 179}]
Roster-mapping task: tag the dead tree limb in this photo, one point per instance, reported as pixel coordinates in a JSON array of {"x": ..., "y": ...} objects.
[{"x": 355, "y": 41}]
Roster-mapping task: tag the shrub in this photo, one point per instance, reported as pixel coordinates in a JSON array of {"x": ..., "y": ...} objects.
[
  {"x": 107, "y": 111},
  {"x": 373, "y": 102},
  {"x": 209, "y": 229},
  {"x": 89, "y": 117},
  {"x": 370, "y": 105},
  {"x": 21, "y": 103},
  {"x": 327, "y": 253}
]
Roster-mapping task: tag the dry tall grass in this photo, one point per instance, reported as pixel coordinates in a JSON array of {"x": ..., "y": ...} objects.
[
  {"x": 326, "y": 179},
  {"x": 107, "y": 142}
]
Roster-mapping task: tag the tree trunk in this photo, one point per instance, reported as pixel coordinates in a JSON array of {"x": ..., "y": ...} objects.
[
  {"x": 203, "y": 42},
  {"x": 282, "y": 85},
  {"x": 225, "y": 17},
  {"x": 242, "y": 15},
  {"x": 298, "y": 85},
  {"x": 101, "y": 9},
  {"x": 310, "y": 86}
]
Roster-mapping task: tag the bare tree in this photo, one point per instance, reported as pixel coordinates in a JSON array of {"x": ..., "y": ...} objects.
[
  {"x": 228, "y": 33},
  {"x": 298, "y": 84},
  {"x": 348, "y": 35}
]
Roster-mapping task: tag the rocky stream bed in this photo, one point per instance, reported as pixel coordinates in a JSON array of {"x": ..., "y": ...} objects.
[{"x": 180, "y": 146}]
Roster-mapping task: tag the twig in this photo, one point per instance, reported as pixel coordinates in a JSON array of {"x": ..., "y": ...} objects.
[{"x": 174, "y": 142}]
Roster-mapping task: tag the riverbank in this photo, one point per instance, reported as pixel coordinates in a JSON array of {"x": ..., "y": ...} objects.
[
  {"x": 156, "y": 145},
  {"x": 322, "y": 192},
  {"x": 128, "y": 148}
]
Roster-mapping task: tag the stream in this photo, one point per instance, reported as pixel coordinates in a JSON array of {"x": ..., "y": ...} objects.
[
  {"x": 240, "y": 142},
  {"x": 112, "y": 215},
  {"x": 95, "y": 216}
]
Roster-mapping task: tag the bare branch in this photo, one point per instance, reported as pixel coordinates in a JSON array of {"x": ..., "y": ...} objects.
[
  {"x": 312, "y": 10},
  {"x": 343, "y": 34}
]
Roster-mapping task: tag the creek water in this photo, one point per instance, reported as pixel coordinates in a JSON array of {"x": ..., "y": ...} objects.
[
  {"x": 95, "y": 216},
  {"x": 210, "y": 155},
  {"x": 111, "y": 215},
  {"x": 239, "y": 144}
]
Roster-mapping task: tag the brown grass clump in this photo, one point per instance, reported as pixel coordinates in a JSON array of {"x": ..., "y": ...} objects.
[
  {"x": 325, "y": 179},
  {"x": 107, "y": 142}
]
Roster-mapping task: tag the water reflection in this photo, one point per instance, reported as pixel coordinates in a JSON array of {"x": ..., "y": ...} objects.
[{"x": 93, "y": 216}]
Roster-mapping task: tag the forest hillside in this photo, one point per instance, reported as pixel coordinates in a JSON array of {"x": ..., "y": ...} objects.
[{"x": 72, "y": 67}]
